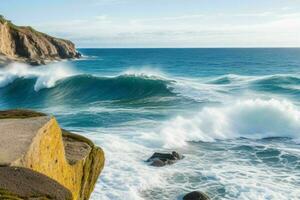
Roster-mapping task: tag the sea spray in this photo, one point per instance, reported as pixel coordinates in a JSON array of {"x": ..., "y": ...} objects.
[
  {"x": 251, "y": 118},
  {"x": 145, "y": 71},
  {"x": 46, "y": 76}
]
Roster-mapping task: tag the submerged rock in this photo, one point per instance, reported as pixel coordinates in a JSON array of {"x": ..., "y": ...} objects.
[
  {"x": 34, "y": 143},
  {"x": 196, "y": 195},
  {"x": 162, "y": 159}
]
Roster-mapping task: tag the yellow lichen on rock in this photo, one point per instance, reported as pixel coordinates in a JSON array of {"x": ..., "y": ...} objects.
[
  {"x": 70, "y": 159},
  {"x": 46, "y": 155}
]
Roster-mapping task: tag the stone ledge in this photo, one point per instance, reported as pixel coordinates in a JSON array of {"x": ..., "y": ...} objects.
[
  {"x": 35, "y": 141},
  {"x": 23, "y": 183}
]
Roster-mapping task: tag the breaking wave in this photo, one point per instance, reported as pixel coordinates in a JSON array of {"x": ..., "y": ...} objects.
[
  {"x": 252, "y": 118},
  {"x": 61, "y": 83},
  {"x": 46, "y": 76}
]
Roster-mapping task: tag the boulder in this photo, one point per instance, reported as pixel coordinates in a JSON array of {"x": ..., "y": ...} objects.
[
  {"x": 35, "y": 142},
  {"x": 162, "y": 159},
  {"x": 196, "y": 195},
  {"x": 158, "y": 163}
]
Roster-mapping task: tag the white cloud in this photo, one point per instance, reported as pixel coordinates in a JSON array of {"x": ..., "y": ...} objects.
[
  {"x": 102, "y": 18},
  {"x": 200, "y": 30},
  {"x": 106, "y": 2}
]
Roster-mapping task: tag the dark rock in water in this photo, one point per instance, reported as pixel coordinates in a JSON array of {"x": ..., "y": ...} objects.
[
  {"x": 158, "y": 163},
  {"x": 196, "y": 195},
  {"x": 165, "y": 156},
  {"x": 177, "y": 155},
  {"x": 162, "y": 159}
]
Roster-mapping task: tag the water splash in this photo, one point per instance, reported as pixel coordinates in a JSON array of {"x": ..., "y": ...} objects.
[
  {"x": 46, "y": 76},
  {"x": 252, "y": 118}
]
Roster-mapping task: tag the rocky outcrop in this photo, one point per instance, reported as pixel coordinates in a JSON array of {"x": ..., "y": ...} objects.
[
  {"x": 22, "y": 183},
  {"x": 196, "y": 195},
  {"x": 34, "y": 146},
  {"x": 162, "y": 159},
  {"x": 23, "y": 43}
]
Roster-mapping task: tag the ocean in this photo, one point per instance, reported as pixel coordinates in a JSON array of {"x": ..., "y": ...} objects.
[{"x": 234, "y": 113}]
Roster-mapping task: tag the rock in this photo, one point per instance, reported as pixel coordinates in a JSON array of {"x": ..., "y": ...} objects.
[
  {"x": 177, "y": 155},
  {"x": 162, "y": 159},
  {"x": 158, "y": 163},
  {"x": 34, "y": 142},
  {"x": 4, "y": 60},
  {"x": 165, "y": 156},
  {"x": 19, "y": 114},
  {"x": 22, "y": 183},
  {"x": 196, "y": 195},
  {"x": 24, "y": 44}
]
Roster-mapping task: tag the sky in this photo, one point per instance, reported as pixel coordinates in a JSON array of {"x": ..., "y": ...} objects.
[{"x": 162, "y": 23}]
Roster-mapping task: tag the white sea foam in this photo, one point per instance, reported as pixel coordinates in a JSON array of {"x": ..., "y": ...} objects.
[
  {"x": 125, "y": 174},
  {"x": 199, "y": 91},
  {"x": 191, "y": 88},
  {"x": 46, "y": 76},
  {"x": 126, "y": 147},
  {"x": 238, "y": 79},
  {"x": 252, "y": 118},
  {"x": 145, "y": 72}
]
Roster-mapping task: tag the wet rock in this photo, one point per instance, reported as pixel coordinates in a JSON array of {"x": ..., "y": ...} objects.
[
  {"x": 162, "y": 159},
  {"x": 196, "y": 195},
  {"x": 158, "y": 163}
]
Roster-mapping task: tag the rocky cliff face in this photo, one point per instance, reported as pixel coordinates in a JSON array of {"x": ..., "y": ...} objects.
[
  {"x": 25, "y": 44},
  {"x": 43, "y": 161}
]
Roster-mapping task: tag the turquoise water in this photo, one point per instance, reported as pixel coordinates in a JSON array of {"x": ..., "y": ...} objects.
[{"x": 233, "y": 113}]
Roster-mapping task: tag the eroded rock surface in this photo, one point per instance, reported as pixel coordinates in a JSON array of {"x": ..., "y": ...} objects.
[
  {"x": 25, "y": 44},
  {"x": 23, "y": 183},
  {"x": 34, "y": 141}
]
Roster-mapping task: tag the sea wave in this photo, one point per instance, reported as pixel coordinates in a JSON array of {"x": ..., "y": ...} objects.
[
  {"x": 61, "y": 84},
  {"x": 275, "y": 78},
  {"x": 46, "y": 76},
  {"x": 277, "y": 83},
  {"x": 251, "y": 118}
]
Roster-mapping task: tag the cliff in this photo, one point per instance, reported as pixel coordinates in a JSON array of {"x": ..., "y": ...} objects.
[
  {"x": 24, "y": 44},
  {"x": 40, "y": 160}
]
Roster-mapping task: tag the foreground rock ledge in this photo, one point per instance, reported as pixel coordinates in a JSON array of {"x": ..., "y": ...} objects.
[{"x": 44, "y": 161}]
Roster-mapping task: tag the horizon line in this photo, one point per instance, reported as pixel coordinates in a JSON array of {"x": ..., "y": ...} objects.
[{"x": 188, "y": 47}]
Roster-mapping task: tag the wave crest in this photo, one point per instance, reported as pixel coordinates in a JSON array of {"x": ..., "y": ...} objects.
[
  {"x": 46, "y": 76},
  {"x": 144, "y": 72},
  {"x": 83, "y": 89},
  {"x": 253, "y": 118}
]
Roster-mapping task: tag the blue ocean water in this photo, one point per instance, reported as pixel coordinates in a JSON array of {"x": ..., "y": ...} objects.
[{"x": 233, "y": 113}]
